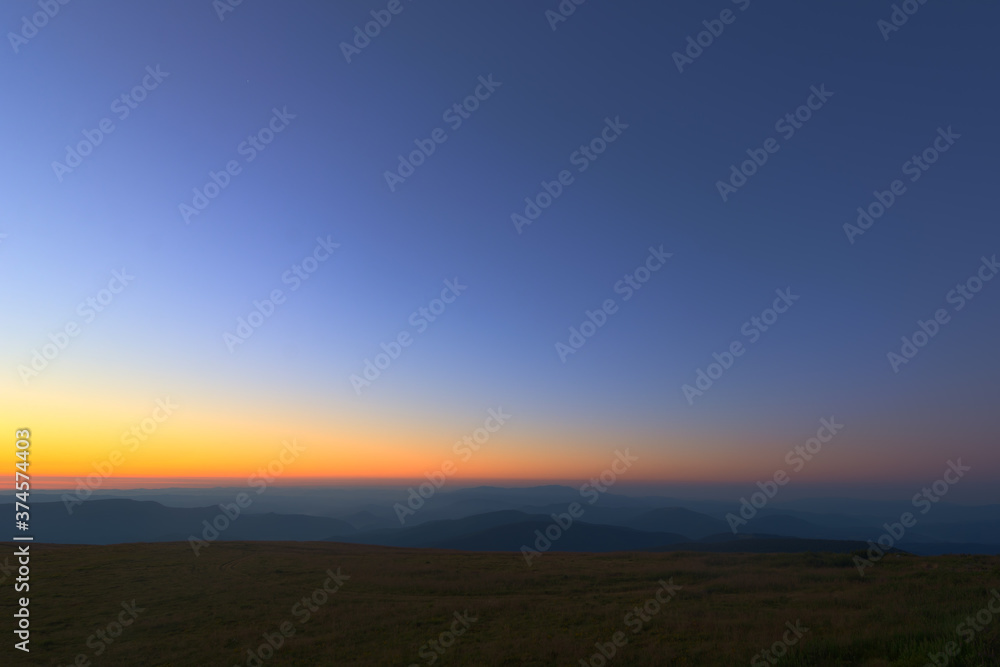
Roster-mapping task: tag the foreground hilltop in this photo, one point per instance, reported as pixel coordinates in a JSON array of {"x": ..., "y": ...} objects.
[{"x": 327, "y": 603}]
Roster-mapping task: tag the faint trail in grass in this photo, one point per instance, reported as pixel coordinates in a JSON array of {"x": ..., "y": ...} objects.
[{"x": 230, "y": 565}]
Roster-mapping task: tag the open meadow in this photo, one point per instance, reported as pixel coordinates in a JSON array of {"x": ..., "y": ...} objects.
[{"x": 361, "y": 605}]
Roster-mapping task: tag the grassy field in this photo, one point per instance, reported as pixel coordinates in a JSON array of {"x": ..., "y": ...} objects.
[{"x": 211, "y": 609}]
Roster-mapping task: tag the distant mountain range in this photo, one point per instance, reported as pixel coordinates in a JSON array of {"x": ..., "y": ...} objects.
[
  {"x": 118, "y": 521},
  {"x": 499, "y": 519}
]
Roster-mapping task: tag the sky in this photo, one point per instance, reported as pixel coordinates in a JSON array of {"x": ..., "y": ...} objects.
[{"x": 250, "y": 154}]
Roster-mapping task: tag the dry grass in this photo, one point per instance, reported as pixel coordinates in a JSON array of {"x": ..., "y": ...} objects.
[{"x": 209, "y": 610}]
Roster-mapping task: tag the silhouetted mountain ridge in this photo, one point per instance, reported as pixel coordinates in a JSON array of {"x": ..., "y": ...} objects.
[{"x": 601, "y": 528}]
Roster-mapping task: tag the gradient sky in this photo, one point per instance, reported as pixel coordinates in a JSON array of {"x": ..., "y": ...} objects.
[{"x": 323, "y": 176}]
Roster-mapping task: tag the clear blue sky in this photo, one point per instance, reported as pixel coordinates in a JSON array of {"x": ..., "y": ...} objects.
[{"x": 656, "y": 184}]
